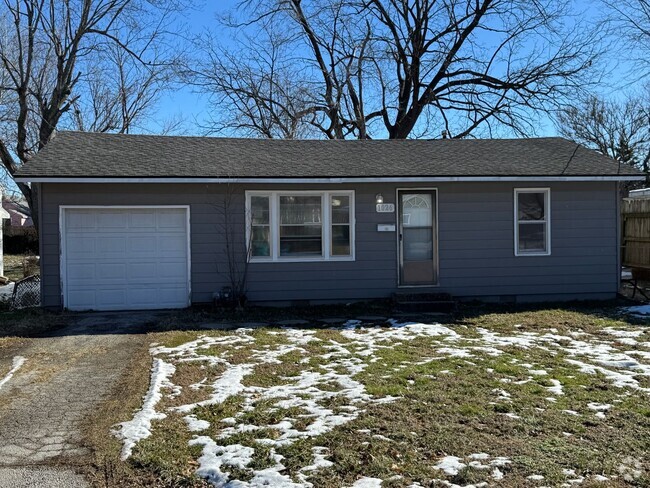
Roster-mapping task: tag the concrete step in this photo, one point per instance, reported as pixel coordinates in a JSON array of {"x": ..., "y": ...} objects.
[{"x": 424, "y": 302}]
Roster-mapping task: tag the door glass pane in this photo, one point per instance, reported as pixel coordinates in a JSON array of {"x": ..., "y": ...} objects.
[
  {"x": 416, "y": 210},
  {"x": 340, "y": 240},
  {"x": 530, "y": 206},
  {"x": 532, "y": 237},
  {"x": 418, "y": 244}
]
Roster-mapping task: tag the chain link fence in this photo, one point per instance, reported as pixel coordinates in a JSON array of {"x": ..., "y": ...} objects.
[{"x": 27, "y": 293}]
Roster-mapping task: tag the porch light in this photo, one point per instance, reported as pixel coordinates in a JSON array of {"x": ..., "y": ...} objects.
[{"x": 379, "y": 198}]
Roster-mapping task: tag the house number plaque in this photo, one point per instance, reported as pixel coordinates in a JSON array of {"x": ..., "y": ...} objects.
[{"x": 386, "y": 207}]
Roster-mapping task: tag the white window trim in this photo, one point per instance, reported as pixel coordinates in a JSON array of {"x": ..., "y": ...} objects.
[
  {"x": 547, "y": 220},
  {"x": 274, "y": 225}
]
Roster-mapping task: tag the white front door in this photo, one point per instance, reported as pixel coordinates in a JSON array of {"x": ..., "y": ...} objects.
[{"x": 116, "y": 258}]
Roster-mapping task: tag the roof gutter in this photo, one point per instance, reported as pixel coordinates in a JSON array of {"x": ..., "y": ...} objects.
[{"x": 382, "y": 179}]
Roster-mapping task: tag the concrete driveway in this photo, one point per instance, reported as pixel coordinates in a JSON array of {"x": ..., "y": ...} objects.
[{"x": 64, "y": 376}]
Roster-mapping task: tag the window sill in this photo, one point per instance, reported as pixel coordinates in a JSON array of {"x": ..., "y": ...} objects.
[
  {"x": 301, "y": 260},
  {"x": 531, "y": 254}
]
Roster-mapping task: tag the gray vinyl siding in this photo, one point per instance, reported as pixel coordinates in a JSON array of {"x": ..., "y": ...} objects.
[{"x": 475, "y": 232}]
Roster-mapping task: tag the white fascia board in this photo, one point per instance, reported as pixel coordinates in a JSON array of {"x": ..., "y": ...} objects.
[{"x": 387, "y": 179}]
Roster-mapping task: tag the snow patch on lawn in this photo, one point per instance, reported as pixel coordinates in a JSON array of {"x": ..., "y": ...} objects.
[
  {"x": 310, "y": 393},
  {"x": 196, "y": 425},
  {"x": 571, "y": 412},
  {"x": 538, "y": 372},
  {"x": 139, "y": 427},
  {"x": 502, "y": 394},
  {"x": 630, "y": 469},
  {"x": 16, "y": 364},
  {"x": 450, "y": 465},
  {"x": 642, "y": 310},
  {"x": 229, "y": 384},
  {"x": 599, "y": 408},
  {"x": 320, "y": 462},
  {"x": 367, "y": 483},
  {"x": 623, "y": 333},
  {"x": 556, "y": 389}
]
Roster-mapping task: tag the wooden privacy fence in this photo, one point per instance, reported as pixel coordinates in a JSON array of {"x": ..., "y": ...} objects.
[{"x": 636, "y": 233}]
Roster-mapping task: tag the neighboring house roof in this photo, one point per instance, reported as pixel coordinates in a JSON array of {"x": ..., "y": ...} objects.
[
  {"x": 3, "y": 214},
  {"x": 640, "y": 193},
  {"x": 18, "y": 212},
  {"x": 95, "y": 155}
]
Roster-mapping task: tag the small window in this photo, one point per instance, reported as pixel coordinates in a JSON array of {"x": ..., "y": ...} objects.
[
  {"x": 300, "y": 226},
  {"x": 532, "y": 217}
]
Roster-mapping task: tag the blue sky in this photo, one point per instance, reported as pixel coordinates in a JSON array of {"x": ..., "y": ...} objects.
[{"x": 192, "y": 107}]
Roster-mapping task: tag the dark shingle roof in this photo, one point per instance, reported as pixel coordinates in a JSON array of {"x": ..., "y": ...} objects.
[{"x": 79, "y": 154}]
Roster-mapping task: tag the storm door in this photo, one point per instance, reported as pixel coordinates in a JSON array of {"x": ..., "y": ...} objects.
[{"x": 418, "y": 246}]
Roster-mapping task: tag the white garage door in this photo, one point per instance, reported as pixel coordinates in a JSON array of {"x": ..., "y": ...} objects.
[{"x": 125, "y": 258}]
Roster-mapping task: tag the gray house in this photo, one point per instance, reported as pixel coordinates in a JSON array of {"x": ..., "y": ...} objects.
[{"x": 141, "y": 222}]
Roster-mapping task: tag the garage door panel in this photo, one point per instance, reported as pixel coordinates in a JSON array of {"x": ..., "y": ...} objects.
[
  {"x": 143, "y": 244},
  {"x": 81, "y": 299},
  {"x": 173, "y": 271},
  {"x": 126, "y": 259},
  {"x": 111, "y": 245},
  {"x": 81, "y": 245},
  {"x": 110, "y": 272},
  {"x": 112, "y": 220},
  {"x": 144, "y": 271},
  {"x": 142, "y": 220},
  {"x": 81, "y": 221},
  {"x": 172, "y": 220},
  {"x": 172, "y": 244},
  {"x": 142, "y": 296},
  {"x": 110, "y": 298},
  {"x": 81, "y": 271}
]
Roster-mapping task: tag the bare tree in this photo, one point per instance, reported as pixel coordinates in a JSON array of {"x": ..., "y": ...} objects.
[
  {"x": 401, "y": 68},
  {"x": 118, "y": 94},
  {"x": 618, "y": 130},
  {"x": 630, "y": 21},
  {"x": 254, "y": 90},
  {"x": 53, "y": 54}
]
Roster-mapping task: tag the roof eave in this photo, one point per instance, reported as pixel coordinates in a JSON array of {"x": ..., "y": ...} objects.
[{"x": 325, "y": 180}]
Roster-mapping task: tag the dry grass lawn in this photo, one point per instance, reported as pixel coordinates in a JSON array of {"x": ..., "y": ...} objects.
[
  {"x": 14, "y": 266},
  {"x": 539, "y": 397},
  {"x": 17, "y": 326}
]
